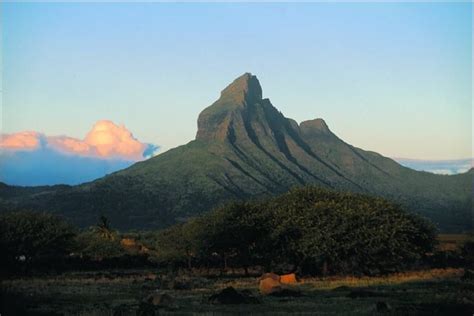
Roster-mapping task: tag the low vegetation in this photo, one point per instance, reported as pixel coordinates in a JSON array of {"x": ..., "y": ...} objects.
[
  {"x": 352, "y": 254},
  {"x": 430, "y": 292}
]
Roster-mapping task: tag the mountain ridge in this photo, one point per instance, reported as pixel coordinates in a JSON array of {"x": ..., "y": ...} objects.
[{"x": 245, "y": 148}]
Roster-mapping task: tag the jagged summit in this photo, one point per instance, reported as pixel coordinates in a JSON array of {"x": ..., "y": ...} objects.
[
  {"x": 243, "y": 89},
  {"x": 237, "y": 98}
]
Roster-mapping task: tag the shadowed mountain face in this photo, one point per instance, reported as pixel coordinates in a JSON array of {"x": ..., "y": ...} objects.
[{"x": 245, "y": 148}]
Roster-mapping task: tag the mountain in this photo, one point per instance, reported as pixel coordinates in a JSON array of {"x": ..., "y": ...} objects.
[{"x": 245, "y": 148}]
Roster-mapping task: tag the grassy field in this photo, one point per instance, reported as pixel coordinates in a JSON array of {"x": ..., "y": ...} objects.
[
  {"x": 429, "y": 292},
  {"x": 449, "y": 242}
]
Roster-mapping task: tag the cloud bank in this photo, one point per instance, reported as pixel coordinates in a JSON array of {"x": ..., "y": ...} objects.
[
  {"x": 438, "y": 166},
  {"x": 32, "y": 158}
]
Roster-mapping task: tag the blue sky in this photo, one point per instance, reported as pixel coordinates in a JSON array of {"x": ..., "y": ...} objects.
[{"x": 389, "y": 77}]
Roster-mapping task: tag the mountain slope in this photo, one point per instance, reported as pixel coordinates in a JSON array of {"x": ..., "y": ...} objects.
[{"x": 245, "y": 148}]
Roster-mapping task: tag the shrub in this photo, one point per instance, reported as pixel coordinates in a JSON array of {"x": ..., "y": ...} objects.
[
  {"x": 92, "y": 245},
  {"x": 27, "y": 238}
]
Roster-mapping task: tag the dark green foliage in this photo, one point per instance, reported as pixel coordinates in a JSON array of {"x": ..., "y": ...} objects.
[
  {"x": 345, "y": 233},
  {"x": 28, "y": 237},
  {"x": 40, "y": 242},
  {"x": 92, "y": 245},
  {"x": 316, "y": 230}
]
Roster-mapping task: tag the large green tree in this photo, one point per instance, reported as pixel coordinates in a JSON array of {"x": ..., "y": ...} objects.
[
  {"x": 27, "y": 237},
  {"x": 313, "y": 229}
]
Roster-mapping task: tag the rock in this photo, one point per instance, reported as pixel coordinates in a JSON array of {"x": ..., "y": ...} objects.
[
  {"x": 288, "y": 278},
  {"x": 269, "y": 285},
  {"x": 230, "y": 295},
  {"x": 270, "y": 275},
  {"x": 159, "y": 300}
]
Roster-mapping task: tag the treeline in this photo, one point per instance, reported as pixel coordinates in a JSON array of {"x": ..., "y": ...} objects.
[
  {"x": 39, "y": 242},
  {"x": 309, "y": 230}
]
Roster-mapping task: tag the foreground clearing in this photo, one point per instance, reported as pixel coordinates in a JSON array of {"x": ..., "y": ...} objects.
[{"x": 428, "y": 292}]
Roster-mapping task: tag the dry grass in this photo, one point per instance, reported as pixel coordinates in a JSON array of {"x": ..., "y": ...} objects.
[
  {"x": 434, "y": 291},
  {"x": 328, "y": 283},
  {"x": 452, "y": 242},
  {"x": 391, "y": 279}
]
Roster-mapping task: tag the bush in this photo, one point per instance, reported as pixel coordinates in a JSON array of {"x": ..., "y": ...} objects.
[
  {"x": 92, "y": 245},
  {"x": 27, "y": 238}
]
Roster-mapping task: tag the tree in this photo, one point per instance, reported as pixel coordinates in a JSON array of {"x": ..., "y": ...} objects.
[
  {"x": 236, "y": 232},
  {"x": 316, "y": 230},
  {"x": 177, "y": 245},
  {"x": 30, "y": 237},
  {"x": 104, "y": 230},
  {"x": 98, "y": 247}
]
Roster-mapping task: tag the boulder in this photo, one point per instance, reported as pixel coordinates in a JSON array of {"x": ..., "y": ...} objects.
[
  {"x": 288, "y": 278},
  {"x": 270, "y": 275},
  {"x": 269, "y": 285}
]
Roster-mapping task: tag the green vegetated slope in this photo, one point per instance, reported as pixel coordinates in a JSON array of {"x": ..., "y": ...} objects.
[{"x": 245, "y": 148}]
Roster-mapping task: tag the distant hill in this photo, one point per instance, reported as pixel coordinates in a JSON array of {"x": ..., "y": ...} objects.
[{"x": 245, "y": 148}]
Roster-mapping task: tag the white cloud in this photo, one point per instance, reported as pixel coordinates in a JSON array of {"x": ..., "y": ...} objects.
[
  {"x": 105, "y": 140},
  {"x": 32, "y": 158}
]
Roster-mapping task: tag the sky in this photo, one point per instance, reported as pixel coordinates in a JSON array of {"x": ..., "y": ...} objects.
[{"x": 394, "y": 78}]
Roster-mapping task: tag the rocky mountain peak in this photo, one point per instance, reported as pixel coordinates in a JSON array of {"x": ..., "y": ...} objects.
[
  {"x": 245, "y": 88},
  {"x": 242, "y": 95}
]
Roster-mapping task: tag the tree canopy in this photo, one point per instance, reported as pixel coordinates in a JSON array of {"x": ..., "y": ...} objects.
[
  {"x": 31, "y": 236},
  {"x": 313, "y": 229}
]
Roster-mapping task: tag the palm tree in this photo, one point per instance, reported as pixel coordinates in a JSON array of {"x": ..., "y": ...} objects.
[{"x": 104, "y": 230}]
